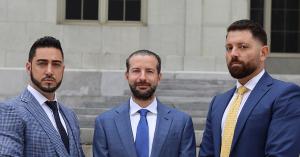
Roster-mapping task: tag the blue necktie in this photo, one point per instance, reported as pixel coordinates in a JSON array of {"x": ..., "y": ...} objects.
[{"x": 142, "y": 135}]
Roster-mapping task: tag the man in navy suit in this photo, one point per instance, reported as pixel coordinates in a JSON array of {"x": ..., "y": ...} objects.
[
  {"x": 268, "y": 117},
  {"x": 34, "y": 124},
  {"x": 160, "y": 131}
]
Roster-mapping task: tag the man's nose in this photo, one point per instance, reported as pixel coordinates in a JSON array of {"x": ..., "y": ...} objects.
[
  {"x": 49, "y": 69},
  {"x": 235, "y": 51},
  {"x": 143, "y": 75}
]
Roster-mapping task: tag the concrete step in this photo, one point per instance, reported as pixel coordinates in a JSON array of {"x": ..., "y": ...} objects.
[
  {"x": 199, "y": 122},
  {"x": 89, "y": 111},
  {"x": 82, "y": 101},
  {"x": 187, "y": 93},
  {"x": 86, "y": 121},
  {"x": 197, "y": 113},
  {"x": 93, "y": 102},
  {"x": 184, "y": 103},
  {"x": 189, "y": 84}
]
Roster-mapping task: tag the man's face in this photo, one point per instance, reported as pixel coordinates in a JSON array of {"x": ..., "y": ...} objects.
[
  {"x": 46, "y": 69},
  {"x": 244, "y": 54},
  {"x": 142, "y": 76}
]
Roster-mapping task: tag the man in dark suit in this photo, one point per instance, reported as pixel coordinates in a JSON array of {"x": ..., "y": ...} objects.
[
  {"x": 260, "y": 116},
  {"x": 34, "y": 124},
  {"x": 143, "y": 126}
]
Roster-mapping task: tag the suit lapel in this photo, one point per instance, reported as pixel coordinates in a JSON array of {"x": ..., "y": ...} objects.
[
  {"x": 163, "y": 124},
  {"x": 122, "y": 121},
  {"x": 39, "y": 114},
  {"x": 74, "y": 145},
  {"x": 220, "y": 106},
  {"x": 258, "y": 92}
]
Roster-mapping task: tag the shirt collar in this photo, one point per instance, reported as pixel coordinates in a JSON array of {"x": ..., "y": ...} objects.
[
  {"x": 134, "y": 107},
  {"x": 252, "y": 82},
  {"x": 38, "y": 96}
]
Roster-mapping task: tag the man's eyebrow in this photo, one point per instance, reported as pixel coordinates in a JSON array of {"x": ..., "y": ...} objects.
[
  {"x": 45, "y": 60},
  {"x": 41, "y": 60},
  {"x": 57, "y": 61}
]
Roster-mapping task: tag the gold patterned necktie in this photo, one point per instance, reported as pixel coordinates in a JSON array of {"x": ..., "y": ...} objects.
[{"x": 230, "y": 122}]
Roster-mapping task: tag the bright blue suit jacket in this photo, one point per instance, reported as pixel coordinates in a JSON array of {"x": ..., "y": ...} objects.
[
  {"x": 174, "y": 134},
  {"x": 268, "y": 125},
  {"x": 25, "y": 130}
]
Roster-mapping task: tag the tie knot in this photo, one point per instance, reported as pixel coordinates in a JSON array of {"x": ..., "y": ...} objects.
[
  {"x": 52, "y": 105},
  {"x": 242, "y": 90},
  {"x": 143, "y": 112}
]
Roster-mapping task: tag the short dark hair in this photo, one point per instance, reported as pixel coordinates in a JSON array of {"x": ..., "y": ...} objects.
[
  {"x": 43, "y": 42},
  {"x": 255, "y": 28},
  {"x": 144, "y": 52}
]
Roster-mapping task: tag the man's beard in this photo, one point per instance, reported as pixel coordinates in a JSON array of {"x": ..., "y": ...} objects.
[
  {"x": 48, "y": 89},
  {"x": 241, "y": 72},
  {"x": 142, "y": 96}
]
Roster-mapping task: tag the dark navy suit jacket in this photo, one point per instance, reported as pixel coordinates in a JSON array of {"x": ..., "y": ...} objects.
[
  {"x": 174, "y": 134},
  {"x": 268, "y": 125}
]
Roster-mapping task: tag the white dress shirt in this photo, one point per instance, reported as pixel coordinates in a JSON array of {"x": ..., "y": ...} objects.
[
  {"x": 151, "y": 119},
  {"x": 41, "y": 99},
  {"x": 250, "y": 86}
]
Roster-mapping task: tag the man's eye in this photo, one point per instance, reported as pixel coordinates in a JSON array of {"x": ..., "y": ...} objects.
[
  {"x": 228, "y": 48},
  {"x": 57, "y": 64},
  {"x": 135, "y": 71},
  {"x": 244, "y": 46},
  {"x": 149, "y": 70}
]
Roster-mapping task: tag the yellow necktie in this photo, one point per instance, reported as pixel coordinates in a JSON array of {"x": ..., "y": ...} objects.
[{"x": 231, "y": 119}]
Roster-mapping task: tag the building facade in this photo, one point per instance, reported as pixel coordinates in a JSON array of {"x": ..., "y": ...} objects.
[{"x": 189, "y": 35}]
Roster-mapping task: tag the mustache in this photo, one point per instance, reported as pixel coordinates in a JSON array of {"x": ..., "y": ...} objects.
[
  {"x": 143, "y": 83},
  {"x": 235, "y": 60},
  {"x": 48, "y": 78}
]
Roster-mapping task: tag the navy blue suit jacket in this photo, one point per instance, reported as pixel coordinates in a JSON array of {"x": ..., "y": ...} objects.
[
  {"x": 174, "y": 134},
  {"x": 268, "y": 125}
]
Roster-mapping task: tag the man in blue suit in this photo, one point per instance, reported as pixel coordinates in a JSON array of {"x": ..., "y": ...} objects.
[
  {"x": 143, "y": 126},
  {"x": 34, "y": 124},
  {"x": 267, "y": 120}
]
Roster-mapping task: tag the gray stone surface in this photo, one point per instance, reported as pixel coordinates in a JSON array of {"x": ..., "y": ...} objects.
[
  {"x": 199, "y": 63},
  {"x": 188, "y": 34}
]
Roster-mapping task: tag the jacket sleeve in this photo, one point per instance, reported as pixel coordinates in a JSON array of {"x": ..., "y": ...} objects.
[
  {"x": 11, "y": 132},
  {"x": 207, "y": 144},
  {"x": 80, "y": 150},
  {"x": 188, "y": 144},
  {"x": 100, "y": 148},
  {"x": 284, "y": 131}
]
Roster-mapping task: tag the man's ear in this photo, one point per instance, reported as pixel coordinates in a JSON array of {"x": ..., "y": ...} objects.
[
  {"x": 159, "y": 77},
  {"x": 126, "y": 75},
  {"x": 264, "y": 53},
  {"x": 28, "y": 66},
  {"x": 64, "y": 68}
]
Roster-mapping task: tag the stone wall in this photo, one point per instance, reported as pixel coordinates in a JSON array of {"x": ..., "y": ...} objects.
[{"x": 187, "y": 34}]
